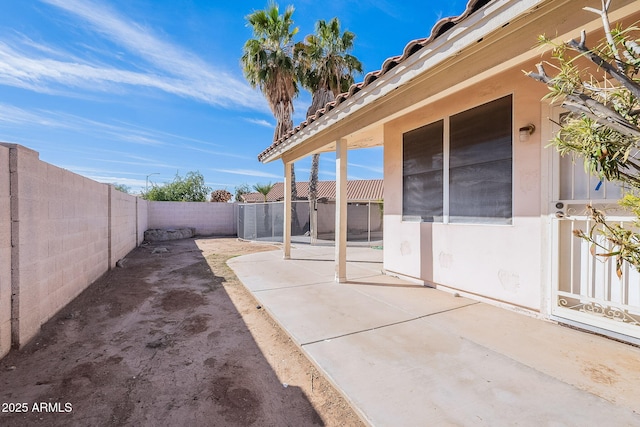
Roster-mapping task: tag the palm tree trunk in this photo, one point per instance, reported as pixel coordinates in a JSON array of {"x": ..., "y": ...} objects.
[
  {"x": 319, "y": 99},
  {"x": 283, "y": 113},
  {"x": 294, "y": 189},
  {"x": 295, "y": 223},
  {"x": 313, "y": 197}
]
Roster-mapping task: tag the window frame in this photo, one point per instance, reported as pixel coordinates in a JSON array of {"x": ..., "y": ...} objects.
[
  {"x": 446, "y": 171},
  {"x": 427, "y": 131}
]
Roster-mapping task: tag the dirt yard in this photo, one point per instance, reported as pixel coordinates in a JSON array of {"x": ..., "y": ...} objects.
[{"x": 171, "y": 339}]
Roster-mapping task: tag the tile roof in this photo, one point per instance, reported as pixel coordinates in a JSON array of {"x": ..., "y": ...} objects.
[
  {"x": 357, "y": 190},
  {"x": 441, "y": 27}
]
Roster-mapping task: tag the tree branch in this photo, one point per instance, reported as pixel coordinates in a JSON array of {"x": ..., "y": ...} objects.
[
  {"x": 607, "y": 31},
  {"x": 601, "y": 114},
  {"x": 628, "y": 83},
  {"x": 583, "y": 104},
  {"x": 540, "y": 76}
]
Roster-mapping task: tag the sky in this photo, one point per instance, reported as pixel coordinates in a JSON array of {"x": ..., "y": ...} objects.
[{"x": 133, "y": 92}]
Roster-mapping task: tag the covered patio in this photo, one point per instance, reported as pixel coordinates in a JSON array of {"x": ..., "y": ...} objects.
[
  {"x": 476, "y": 202},
  {"x": 341, "y": 146},
  {"x": 409, "y": 355},
  {"x": 455, "y": 60}
]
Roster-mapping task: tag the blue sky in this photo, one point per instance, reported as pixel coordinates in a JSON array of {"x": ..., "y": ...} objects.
[{"x": 122, "y": 90}]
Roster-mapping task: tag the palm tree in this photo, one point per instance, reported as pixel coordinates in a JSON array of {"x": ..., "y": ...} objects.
[
  {"x": 268, "y": 63},
  {"x": 325, "y": 68},
  {"x": 263, "y": 189}
]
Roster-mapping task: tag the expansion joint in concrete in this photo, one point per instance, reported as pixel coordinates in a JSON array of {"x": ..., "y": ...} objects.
[{"x": 390, "y": 324}]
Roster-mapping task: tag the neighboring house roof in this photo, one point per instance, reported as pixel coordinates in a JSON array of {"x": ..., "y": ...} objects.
[
  {"x": 357, "y": 190},
  {"x": 252, "y": 198},
  {"x": 411, "y": 48}
]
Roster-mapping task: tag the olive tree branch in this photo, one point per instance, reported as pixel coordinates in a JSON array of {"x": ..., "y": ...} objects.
[
  {"x": 614, "y": 72},
  {"x": 607, "y": 30}
]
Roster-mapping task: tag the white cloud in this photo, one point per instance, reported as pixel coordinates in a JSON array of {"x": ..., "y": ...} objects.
[
  {"x": 47, "y": 75},
  {"x": 84, "y": 170},
  {"x": 261, "y": 122},
  {"x": 129, "y": 182},
  {"x": 376, "y": 169},
  {"x": 308, "y": 171},
  {"x": 354, "y": 177},
  {"x": 217, "y": 153},
  {"x": 169, "y": 134},
  {"x": 11, "y": 116},
  {"x": 147, "y": 165},
  {"x": 37, "y": 67},
  {"x": 249, "y": 172}
]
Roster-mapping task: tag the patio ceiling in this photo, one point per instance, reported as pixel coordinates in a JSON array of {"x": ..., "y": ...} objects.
[{"x": 371, "y": 136}]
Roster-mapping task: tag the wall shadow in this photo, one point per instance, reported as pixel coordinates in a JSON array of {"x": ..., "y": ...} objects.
[{"x": 158, "y": 342}]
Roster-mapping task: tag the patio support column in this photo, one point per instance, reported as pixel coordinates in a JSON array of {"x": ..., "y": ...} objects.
[
  {"x": 286, "y": 231},
  {"x": 341, "y": 211}
]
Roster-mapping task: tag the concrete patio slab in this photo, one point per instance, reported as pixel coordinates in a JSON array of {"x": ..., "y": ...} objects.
[
  {"x": 412, "y": 374},
  {"x": 408, "y": 355},
  {"x": 330, "y": 311},
  {"x": 415, "y": 299},
  {"x": 586, "y": 361},
  {"x": 311, "y": 267}
]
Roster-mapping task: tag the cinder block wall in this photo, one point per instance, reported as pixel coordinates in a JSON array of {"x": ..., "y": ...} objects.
[
  {"x": 207, "y": 218},
  {"x": 5, "y": 254},
  {"x": 142, "y": 207},
  {"x": 60, "y": 239},
  {"x": 59, "y": 232},
  {"x": 123, "y": 224}
]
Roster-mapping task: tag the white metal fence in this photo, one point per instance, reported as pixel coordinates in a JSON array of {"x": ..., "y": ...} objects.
[
  {"x": 264, "y": 222},
  {"x": 590, "y": 290}
]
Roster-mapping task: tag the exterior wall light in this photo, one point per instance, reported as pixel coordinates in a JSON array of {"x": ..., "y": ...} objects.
[{"x": 526, "y": 131}]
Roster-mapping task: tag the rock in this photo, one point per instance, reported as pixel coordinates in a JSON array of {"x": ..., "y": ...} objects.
[
  {"x": 159, "y": 235},
  {"x": 159, "y": 250},
  {"x": 159, "y": 343}
]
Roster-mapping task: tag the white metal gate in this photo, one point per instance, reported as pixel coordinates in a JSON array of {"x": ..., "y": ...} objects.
[{"x": 586, "y": 288}]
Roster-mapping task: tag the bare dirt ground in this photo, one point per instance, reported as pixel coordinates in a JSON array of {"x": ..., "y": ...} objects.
[{"x": 173, "y": 338}]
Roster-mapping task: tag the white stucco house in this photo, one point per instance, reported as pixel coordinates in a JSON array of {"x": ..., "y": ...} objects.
[{"x": 475, "y": 201}]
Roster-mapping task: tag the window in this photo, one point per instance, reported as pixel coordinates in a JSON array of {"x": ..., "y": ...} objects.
[
  {"x": 422, "y": 173},
  {"x": 480, "y": 164},
  {"x": 473, "y": 182}
]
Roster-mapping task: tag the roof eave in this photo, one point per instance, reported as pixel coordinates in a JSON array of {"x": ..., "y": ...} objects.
[{"x": 463, "y": 35}]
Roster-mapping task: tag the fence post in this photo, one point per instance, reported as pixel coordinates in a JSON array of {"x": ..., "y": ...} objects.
[{"x": 369, "y": 223}]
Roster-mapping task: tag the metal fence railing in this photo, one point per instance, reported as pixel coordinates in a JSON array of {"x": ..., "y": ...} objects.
[{"x": 264, "y": 222}]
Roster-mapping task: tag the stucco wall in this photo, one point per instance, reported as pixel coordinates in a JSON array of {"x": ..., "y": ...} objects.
[
  {"x": 207, "y": 218},
  {"x": 5, "y": 254},
  {"x": 502, "y": 262}
]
